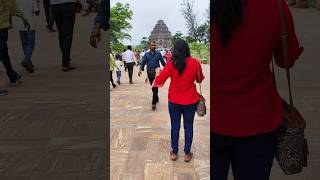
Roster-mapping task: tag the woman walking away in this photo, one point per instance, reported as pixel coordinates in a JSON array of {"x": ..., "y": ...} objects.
[
  {"x": 183, "y": 96},
  {"x": 247, "y": 109}
]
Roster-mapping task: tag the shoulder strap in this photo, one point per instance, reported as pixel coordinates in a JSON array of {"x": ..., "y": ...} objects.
[
  {"x": 284, "y": 44},
  {"x": 199, "y": 75}
]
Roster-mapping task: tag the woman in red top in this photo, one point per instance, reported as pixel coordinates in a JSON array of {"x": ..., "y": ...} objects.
[
  {"x": 183, "y": 96},
  {"x": 247, "y": 108}
]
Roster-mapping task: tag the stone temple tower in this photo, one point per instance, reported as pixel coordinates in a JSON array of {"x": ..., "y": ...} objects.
[{"x": 161, "y": 35}]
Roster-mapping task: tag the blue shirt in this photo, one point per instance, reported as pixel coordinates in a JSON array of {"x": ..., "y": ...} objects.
[
  {"x": 152, "y": 60},
  {"x": 104, "y": 10}
]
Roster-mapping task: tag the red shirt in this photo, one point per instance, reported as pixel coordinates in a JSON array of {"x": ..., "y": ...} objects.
[
  {"x": 182, "y": 88},
  {"x": 244, "y": 99}
]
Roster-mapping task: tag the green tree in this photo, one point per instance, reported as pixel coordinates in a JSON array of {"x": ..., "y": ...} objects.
[
  {"x": 144, "y": 43},
  {"x": 120, "y": 16},
  {"x": 176, "y": 36},
  {"x": 198, "y": 33}
]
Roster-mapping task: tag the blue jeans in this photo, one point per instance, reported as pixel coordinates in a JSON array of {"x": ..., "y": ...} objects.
[
  {"x": 118, "y": 75},
  {"x": 251, "y": 158},
  {"x": 28, "y": 43},
  {"x": 188, "y": 112}
]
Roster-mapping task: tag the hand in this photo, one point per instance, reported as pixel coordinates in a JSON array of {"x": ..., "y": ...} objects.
[
  {"x": 37, "y": 13},
  {"x": 139, "y": 73},
  {"x": 26, "y": 24},
  {"x": 157, "y": 71},
  {"x": 95, "y": 36},
  {"x": 85, "y": 12}
]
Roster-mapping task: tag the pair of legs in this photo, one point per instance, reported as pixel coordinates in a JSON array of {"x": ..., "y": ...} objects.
[
  {"x": 130, "y": 70},
  {"x": 151, "y": 77},
  {"x": 111, "y": 79},
  {"x": 118, "y": 76},
  {"x": 251, "y": 158},
  {"x": 64, "y": 16},
  {"x": 49, "y": 14},
  {"x": 188, "y": 112},
  {"x": 28, "y": 43},
  {"x": 4, "y": 57}
]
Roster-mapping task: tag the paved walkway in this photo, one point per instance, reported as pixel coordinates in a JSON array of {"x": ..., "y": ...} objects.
[
  {"x": 53, "y": 125},
  {"x": 140, "y": 137}
]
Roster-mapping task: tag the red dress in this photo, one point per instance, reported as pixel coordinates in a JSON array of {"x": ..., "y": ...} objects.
[
  {"x": 182, "y": 88},
  {"x": 244, "y": 99}
]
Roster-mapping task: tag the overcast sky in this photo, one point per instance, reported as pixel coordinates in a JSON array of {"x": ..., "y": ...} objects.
[{"x": 146, "y": 13}]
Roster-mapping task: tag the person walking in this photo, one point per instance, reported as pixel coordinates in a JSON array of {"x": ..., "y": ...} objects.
[
  {"x": 152, "y": 59},
  {"x": 7, "y": 8},
  {"x": 112, "y": 66},
  {"x": 118, "y": 66},
  {"x": 247, "y": 108},
  {"x": 101, "y": 21},
  {"x": 49, "y": 15},
  {"x": 183, "y": 96},
  {"x": 64, "y": 12},
  {"x": 130, "y": 59},
  {"x": 30, "y": 9}
]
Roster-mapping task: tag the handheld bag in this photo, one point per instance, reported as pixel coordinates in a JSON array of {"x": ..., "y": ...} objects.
[
  {"x": 201, "y": 107},
  {"x": 292, "y": 152}
]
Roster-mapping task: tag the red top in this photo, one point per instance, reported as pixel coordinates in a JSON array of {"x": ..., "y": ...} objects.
[
  {"x": 245, "y": 100},
  {"x": 182, "y": 88}
]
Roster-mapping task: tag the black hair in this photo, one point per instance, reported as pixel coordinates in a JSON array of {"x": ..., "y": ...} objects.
[
  {"x": 227, "y": 15},
  {"x": 130, "y": 47},
  {"x": 181, "y": 51}
]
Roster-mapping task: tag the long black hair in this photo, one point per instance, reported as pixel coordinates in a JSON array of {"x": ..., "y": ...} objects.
[
  {"x": 180, "y": 52},
  {"x": 227, "y": 15}
]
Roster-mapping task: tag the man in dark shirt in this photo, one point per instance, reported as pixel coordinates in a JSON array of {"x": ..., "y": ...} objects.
[{"x": 152, "y": 59}]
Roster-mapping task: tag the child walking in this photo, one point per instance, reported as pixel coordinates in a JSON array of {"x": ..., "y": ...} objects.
[{"x": 118, "y": 66}]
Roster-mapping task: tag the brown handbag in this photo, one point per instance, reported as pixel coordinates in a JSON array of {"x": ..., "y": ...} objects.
[
  {"x": 292, "y": 152},
  {"x": 201, "y": 106}
]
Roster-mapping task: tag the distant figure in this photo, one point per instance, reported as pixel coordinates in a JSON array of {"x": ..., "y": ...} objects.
[
  {"x": 152, "y": 59},
  {"x": 118, "y": 66},
  {"x": 7, "y": 8},
  {"x": 64, "y": 12},
  {"x": 30, "y": 9},
  {"x": 49, "y": 15},
  {"x": 130, "y": 60},
  {"x": 112, "y": 66}
]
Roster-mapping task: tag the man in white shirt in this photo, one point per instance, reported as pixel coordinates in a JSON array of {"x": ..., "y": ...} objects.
[
  {"x": 64, "y": 12},
  {"x": 130, "y": 59}
]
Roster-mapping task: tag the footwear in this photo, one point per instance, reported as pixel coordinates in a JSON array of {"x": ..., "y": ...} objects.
[
  {"x": 3, "y": 92},
  {"x": 173, "y": 156},
  {"x": 154, "y": 107},
  {"x": 15, "y": 81},
  {"x": 131, "y": 82},
  {"x": 27, "y": 66},
  {"x": 118, "y": 82},
  {"x": 188, "y": 157},
  {"x": 68, "y": 68},
  {"x": 114, "y": 86},
  {"x": 51, "y": 29}
]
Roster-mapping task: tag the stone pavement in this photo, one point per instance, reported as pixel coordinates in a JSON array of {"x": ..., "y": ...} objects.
[
  {"x": 140, "y": 137},
  {"x": 53, "y": 126}
]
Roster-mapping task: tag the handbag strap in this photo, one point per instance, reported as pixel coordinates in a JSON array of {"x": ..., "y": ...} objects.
[
  {"x": 284, "y": 44},
  {"x": 199, "y": 75}
]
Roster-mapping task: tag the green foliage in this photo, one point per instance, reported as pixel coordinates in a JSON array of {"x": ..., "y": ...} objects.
[
  {"x": 144, "y": 43},
  {"x": 176, "y": 36},
  {"x": 200, "y": 51},
  {"x": 120, "y": 16},
  {"x": 312, "y": 3}
]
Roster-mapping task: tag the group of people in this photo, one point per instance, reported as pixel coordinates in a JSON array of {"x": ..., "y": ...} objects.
[
  {"x": 62, "y": 12},
  {"x": 183, "y": 70}
]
